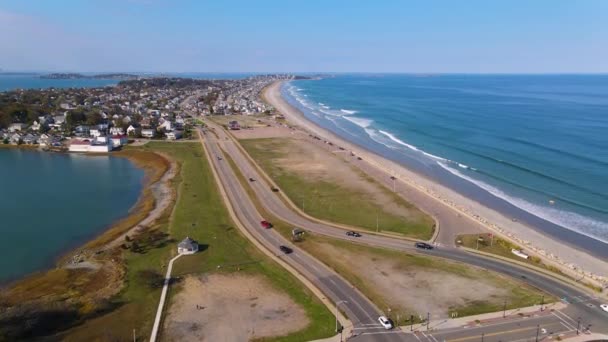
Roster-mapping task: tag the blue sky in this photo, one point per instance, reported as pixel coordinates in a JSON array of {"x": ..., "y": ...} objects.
[{"x": 539, "y": 36}]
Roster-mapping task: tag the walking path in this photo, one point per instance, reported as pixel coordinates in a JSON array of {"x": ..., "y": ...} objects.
[{"x": 161, "y": 304}]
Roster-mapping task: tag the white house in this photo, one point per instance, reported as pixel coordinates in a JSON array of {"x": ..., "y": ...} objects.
[
  {"x": 94, "y": 132},
  {"x": 119, "y": 140},
  {"x": 167, "y": 125},
  {"x": 117, "y": 131},
  {"x": 97, "y": 145},
  {"x": 132, "y": 130},
  {"x": 147, "y": 133},
  {"x": 187, "y": 246},
  {"x": 35, "y": 126},
  {"x": 174, "y": 135},
  {"x": 17, "y": 127}
]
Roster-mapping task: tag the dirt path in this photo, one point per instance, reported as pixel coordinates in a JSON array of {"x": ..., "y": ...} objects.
[{"x": 222, "y": 307}]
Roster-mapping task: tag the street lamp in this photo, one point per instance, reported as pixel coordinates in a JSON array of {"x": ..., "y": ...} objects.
[{"x": 337, "y": 305}]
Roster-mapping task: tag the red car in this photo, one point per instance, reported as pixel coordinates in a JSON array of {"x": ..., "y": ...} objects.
[{"x": 266, "y": 224}]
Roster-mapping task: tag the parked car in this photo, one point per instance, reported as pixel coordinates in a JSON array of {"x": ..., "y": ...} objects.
[
  {"x": 424, "y": 245},
  {"x": 274, "y": 189},
  {"x": 285, "y": 249},
  {"x": 251, "y": 179},
  {"x": 266, "y": 224},
  {"x": 604, "y": 307},
  {"x": 219, "y": 158},
  {"x": 385, "y": 322},
  {"x": 353, "y": 234}
]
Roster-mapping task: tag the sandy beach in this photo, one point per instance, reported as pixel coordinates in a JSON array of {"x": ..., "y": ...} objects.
[{"x": 455, "y": 213}]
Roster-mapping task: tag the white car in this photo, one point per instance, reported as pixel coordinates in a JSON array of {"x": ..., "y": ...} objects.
[
  {"x": 604, "y": 307},
  {"x": 385, "y": 322}
]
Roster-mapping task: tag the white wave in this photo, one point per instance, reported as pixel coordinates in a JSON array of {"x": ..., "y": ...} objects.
[
  {"x": 321, "y": 104},
  {"x": 363, "y": 123},
  {"x": 325, "y": 107},
  {"x": 463, "y": 166},
  {"x": 349, "y": 112},
  {"x": 569, "y": 220},
  {"x": 412, "y": 147}
]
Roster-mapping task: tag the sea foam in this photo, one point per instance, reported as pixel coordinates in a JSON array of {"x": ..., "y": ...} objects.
[{"x": 573, "y": 221}]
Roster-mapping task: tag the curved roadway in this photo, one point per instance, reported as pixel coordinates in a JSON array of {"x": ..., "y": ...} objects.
[{"x": 359, "y": 309}]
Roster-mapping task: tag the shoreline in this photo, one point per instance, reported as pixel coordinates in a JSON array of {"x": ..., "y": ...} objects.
[
  {"x": 106, "y": 238},
  {"x": 569, "y": 256}
]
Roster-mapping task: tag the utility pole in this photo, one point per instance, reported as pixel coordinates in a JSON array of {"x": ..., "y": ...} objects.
[
  {"x": 134, "y": 340},
  {"x": 428, "y": 320},
  {"x": 478, "y": 242},
  {"x": 412, "y": 323},
  {"x": 578, "y": 325},
  {"x": 377, "y": 223},
  {"x": 542, "y": 303},
  {"x": 337, "y": 305},
  {"x": 481, "y": 337},
  {"x": 537, "y": 331},
  {"x": 504, "y": 309}
]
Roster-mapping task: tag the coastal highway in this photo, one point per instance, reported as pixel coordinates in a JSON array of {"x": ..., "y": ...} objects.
[
  {"x": 581, "y": 304},
  {"x": 362, "y": 313}
]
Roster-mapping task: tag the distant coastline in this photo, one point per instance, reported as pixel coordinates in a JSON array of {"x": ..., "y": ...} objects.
[{"x": 78, "y": 76}]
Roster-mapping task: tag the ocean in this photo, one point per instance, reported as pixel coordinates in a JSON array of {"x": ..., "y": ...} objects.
[
  {"x": 52, "y": 202},
  {"x": 534, "y": 147}
]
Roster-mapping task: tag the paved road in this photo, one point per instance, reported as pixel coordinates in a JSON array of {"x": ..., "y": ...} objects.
[
  {"x": 359, "y": 309},
  {"x": 272, "y": 202}
]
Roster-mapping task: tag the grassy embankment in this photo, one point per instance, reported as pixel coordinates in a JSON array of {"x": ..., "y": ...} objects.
[
  {"x": 517, "y": 294},
  {"x": 199, "y": 213},
  {"x": 335, "y": 202},
  {"x": 56, "y": 299}
]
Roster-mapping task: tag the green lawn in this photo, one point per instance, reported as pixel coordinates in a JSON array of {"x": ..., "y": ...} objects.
[
  {"x": 200, "y": 214},
  {"x": 518, "y": 294},
  {"x": 333, "y": 202}
]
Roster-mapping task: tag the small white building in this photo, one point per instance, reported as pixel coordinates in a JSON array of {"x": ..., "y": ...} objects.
[{"x": 187, "y": 246}]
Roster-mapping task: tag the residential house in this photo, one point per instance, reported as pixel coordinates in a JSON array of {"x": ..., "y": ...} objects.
[
  {"x": 30, "y": 139},
  {"x": 95, "y": 132},
  {"x": 148, "y": 133},
  {"x": 17, "y": 127},
  {"x": 174, "y": 135},
  {"x": 15, "y": 138},
  {"x": 119, "y": 140},
  {"x": 117, "y": 130}
]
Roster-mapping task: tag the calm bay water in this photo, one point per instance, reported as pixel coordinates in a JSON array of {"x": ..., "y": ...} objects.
[
  {"x": 50, "y": 203},
  {"x": 537, "y": 143}
]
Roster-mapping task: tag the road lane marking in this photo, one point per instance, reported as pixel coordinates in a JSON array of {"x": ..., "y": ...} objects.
[
  {"x": 563, "y": 320},
  {"x": 476, "y": 337}
]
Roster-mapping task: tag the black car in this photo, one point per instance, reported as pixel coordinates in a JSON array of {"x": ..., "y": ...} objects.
[
  {"x": 251, "y": 179},
  {"x": 274, "y": 189},
  {"x": 285, "y": 249},
  {"x": 354, "y": 234},
  {"x": 423, "y": 245}
]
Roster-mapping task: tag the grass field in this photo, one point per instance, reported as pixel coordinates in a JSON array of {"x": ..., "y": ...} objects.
[
  {"x": 516, "y": 295},
  {"x": 200, "y": 214},
  {"x": 335, "y": 202}
]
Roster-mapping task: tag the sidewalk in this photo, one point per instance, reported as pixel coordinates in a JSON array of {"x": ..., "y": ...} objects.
[{"x": 486, "y": 318}]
